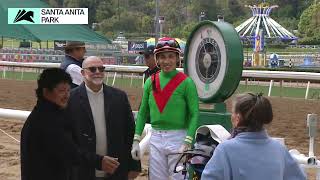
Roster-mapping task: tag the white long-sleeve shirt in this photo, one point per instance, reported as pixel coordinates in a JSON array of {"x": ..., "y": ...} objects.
[{"x": 75, "y": 73}]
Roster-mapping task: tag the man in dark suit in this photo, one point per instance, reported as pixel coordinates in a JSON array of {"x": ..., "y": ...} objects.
[{"x": 104, "y": 123}]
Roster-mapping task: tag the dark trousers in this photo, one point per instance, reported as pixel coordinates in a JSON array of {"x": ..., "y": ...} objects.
[{"x": 101, "y": 178}]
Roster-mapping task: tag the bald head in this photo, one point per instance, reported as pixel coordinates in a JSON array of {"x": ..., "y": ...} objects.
[
  {"x": 91, "y": 60},
  {"x": 93, "y": 72}
]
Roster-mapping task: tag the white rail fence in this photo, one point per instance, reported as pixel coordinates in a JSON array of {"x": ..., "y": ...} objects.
[
  {"x": 271, "y": 76},
  {"x": 132, "y": 71}
]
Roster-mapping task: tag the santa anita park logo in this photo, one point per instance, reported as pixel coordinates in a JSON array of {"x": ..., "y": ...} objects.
[{"x": 47, "y": 15}]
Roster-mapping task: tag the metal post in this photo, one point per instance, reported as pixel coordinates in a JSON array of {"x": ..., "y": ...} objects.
[
  {"x": 107, "y": 77},
  {"x": 114, "y": 78},
  {"x": 131, "y": 79},
  {"x": 160, "y": 30},
  {"x": 161, "y": 22},
  {"x": 157, "y": 23},
  {"x": 281, "y": 90},
  {"x": 143, "y": 77},
  {"x": 21, "y": 74},
  {"x": 307, "y": 91},
  {"x": 270, "y": 88},
  {"x": 246, "y": 83}
]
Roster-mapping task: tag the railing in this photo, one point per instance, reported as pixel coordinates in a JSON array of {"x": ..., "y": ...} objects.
[
  {"x": 270, "y": 76},
  {"x": 246, "y": 75},
  {"x": 23, "y": 115}
]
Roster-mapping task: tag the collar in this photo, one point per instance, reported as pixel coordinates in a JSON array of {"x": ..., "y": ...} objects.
[
  {"x": 73, "y": 57},
  {"x": 169, "y": 74},
  {"x": 94, "y": 93},
  {"x": 253, "y": 135},
  {"x": 48, "y": 104}
]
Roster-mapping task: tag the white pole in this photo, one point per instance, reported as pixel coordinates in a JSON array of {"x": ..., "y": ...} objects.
[
  {"x": 131, "y": 79},
  {"x": 307, "y": 91},
  {"x": 114, "y": 78},
  {"x": 311, "y": 147},
  {"x": 4, "y": 73},
  {"x": 14, "y": 114},
  {"x": 107, "y": 77},
  {"x": 21, "y": 74},
  {"x": 143, "y": 76},
  {"x": 270, "y": 88}
]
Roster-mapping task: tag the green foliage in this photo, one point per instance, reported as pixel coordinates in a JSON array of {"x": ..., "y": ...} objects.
[
  {"x": 184, "y": 31},
  {"x": 291, "y": 23},
  {"x": 105, "y": 10},
  {"x": 137, "y": 17},
  {"x": 309, "y": 24}
]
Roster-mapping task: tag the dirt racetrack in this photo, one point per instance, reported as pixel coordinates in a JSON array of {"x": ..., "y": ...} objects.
[{"x": 289, "y": 122}]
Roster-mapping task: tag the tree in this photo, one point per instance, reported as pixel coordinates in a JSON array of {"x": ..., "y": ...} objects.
[
  {"x": 309, "y": 25},
  {"x": 105, "y": 10}
]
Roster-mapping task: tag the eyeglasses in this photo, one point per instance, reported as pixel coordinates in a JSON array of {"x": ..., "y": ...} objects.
[
  {"x": 171, "y": 43},
  {"x": 94, "y": 69}
]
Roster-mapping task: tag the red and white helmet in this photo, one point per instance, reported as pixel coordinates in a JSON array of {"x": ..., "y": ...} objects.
[{"x": 167, "y": 44}]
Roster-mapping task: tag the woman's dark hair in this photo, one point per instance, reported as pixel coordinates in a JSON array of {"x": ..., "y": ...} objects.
[
  {"x": 255, "y": 111},
  {"x": 50, "y": 78}
]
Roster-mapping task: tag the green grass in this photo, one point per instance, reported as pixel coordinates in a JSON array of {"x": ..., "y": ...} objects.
[
  {"x": 280, "y": 92},
  {"x": 122, "y": 82},
  {"x": 19, "y": 75},
  {"x": 125, "y": 82}
]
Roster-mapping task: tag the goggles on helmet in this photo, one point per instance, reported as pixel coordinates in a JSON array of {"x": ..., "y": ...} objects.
[
  {"x": 171, "y": 43},
  {"x": 167, "y": 44}
]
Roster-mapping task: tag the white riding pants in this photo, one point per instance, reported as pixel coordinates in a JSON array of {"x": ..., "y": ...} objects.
[{"x": 161, "y": 163}]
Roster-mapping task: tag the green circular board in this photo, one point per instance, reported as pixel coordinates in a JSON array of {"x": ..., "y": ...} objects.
[{"x": 213, "y": 58}]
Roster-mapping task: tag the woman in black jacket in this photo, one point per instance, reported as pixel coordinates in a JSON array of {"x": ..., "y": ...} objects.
[{"x": 47, "y": 147}]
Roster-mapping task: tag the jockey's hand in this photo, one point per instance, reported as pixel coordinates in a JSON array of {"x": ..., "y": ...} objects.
[
  {"x": 184, "y": 147},
  {"x": 135, "y": 152}
]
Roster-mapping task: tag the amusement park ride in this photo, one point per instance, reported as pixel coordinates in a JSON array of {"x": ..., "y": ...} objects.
[{"x": 260, "y": 28}]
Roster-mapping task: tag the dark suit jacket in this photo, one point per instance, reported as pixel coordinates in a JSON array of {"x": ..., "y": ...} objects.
[
  {"x": 120, "y": 128},
  {"x": 47, "y": 148}
]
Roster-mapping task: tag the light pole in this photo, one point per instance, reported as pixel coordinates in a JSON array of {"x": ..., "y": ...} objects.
[
  {"x": 161, "y": 22},
  {"x": 157, "y": 23}
]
